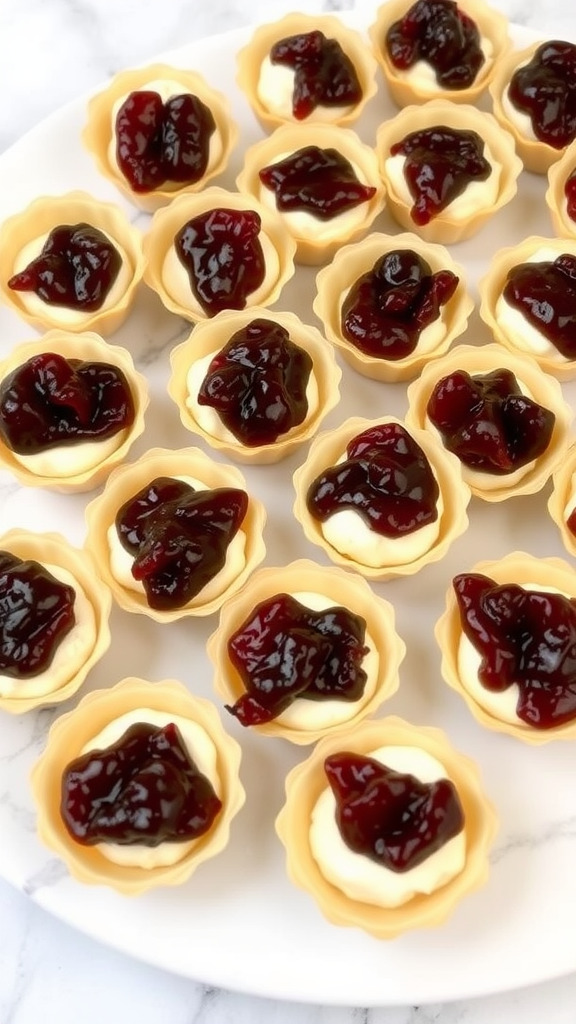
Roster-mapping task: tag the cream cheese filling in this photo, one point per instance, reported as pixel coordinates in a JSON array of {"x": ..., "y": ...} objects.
[
  {"x": 519, "y": 331},
  {"x": 477, "y": 195},
  {"x": 275, "y": 91}
]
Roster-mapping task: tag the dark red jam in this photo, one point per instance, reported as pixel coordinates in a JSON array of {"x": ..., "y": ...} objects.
[
  {"x": 440, "y": 164},
  {"x": 437, "y": 32},
  {"x": 317, "y": 181},
  {"x": 570, "y": 195},
  {"x": 144, "y": 789},
  {"x": 487, "y": 421},
  {"x": 76, "y": 268},
  {"x": 545, "y": 294},
  {"x": 257, "y": 383},
  {"x": 36, "y": 613},
  {"x": 159, "y": 142},
  {"x": 525, "y": 637},
  {"x": 392, "y": 818},
  {"x": 178, "y": 537},
  {"x": 386, "y": 479},
  {"x": 223, "y": 257},
  {"x": 50, "y": 401},
  {"x": 545, "y": 90},
  {"x": 323, "y": 74},
  {"x": 387, "y": 308},
  {"x": 285, "y": 651}
]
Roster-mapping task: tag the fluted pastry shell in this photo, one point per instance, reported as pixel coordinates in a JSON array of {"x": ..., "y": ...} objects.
[
  {"x": 558, "y": 174},
  {"x": 492, "y": 25},
  {"x": 561, "y": 500},
  {"x": 444, "y": 227},
  {"x": 329, "y": 446},
  {"x": 306, "y": 782},
  {"x": 125, "y": 481},
  {"x": 167, "y": 221},
  {"x": 516, "y": 567},
  {"x": 42, "y": 216},
  {"x": 350, "y": 263},
  {"x": 289, "y": 138},
  {"x": 73, "y": 730},
  {"x": 54, "y": 549},
  {"x": 89, "y": 347},
  {"x": 250, "y": 57},
  {"x": 98, "y": 132},
  {"x": 343, "y": 588},
  {"x": 543, "y": 388}
]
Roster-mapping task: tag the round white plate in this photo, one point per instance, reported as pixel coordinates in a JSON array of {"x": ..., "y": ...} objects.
[{"x": 238, "y": 923}]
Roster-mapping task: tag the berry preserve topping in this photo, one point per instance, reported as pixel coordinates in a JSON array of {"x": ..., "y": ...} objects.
[
  {"x": 526, "y": 637},
  {"x": 36, "y": 613},
  {"x": 159, "y": 142},
  {"x": 77, "y": 267},
  {"x": 50, "y": 401},
  {"x": 222, "y": 254},
  {"x": 545, "y": 90},
  {"x": 386, "y": 479},
  {"x": 437, "y": 32},
  {"x": 487, "y": 421},
  {"x": 257, "y": 383},
  {"x": 570, "y": 194},
  {"x": 285, "y": 650},
  {"x": 323, "y": 74},
  {"x": 392, "y": 818},
  {"x": 545, "y": 294},
  {"x": 143, "y": 789},
  {"x": 387, "y": 308},
  {"x": 440, "y": 163},
  {"x": 317, "y": 181},
  {"x": 178, "y": 537}
]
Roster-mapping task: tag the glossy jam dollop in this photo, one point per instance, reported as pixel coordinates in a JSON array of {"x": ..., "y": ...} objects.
[
  {"x": 387, "y": 308},
  {"x": 317, "y": 181},
  {"x": 440, "y": 163},
  {"x": 50, "y": 401},
  {"x": 36, "y": 613},
  {"x": 487, "y": 421},
  {"x": 570, "y": 195},
  {"x": 388, "y": 816},
  {"x": 144, "y": 789},
  {"x": 223, "y": 257},
  {"x": 545, "y": 294},
  {"x": 323, "y": 74},
  {"x": 178, "y": 537},
  {"x": 159, "y": 142},
  {"x": 386, "y": 479},
  {"x": 76, "y": 268},
  {"x": 437, "y": 32},
  {"x": 525, "y": 637},
  {"x": 257, "y": 383},
  {"x": 285, "y": 651},
  {"x": 545, "y": 90}
]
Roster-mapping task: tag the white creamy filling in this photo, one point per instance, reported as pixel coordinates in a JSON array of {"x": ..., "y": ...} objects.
[
  {"x": 71, "y": 653},
  {"x": 199, "y": 747},
  {"x": 477, "y": 195},
  {"x": 514, "y": 325},
  {"x": 361, "y": 878},
  {"x": 275, "y": 91},
  {"x": 422, "y": 76},
  {"x": 70, "y": 460},
  {"x": 430, "y": 338},
  {"x": 121, "y": 561}
]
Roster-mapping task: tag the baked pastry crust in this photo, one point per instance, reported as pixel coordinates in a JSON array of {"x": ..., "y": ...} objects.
[
  {"x": 561, "y": 499},
  {"x": 558, "y": 174}
]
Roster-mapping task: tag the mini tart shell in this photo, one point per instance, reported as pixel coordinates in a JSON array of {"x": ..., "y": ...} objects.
[
  {"x": 250, "y": 57},
  {"x": 558, "y": 174},
  {"x": 306, "y": 782},
  {"x": 88, "y": 347},
  {"x": 492, "y": 285},
  {"x": 41, "y": 217},
  {"x": 288, "y": 139},
  {"x": 564, "y": 481},
  {"x": 72, "y": 731},
  {"x": 127, "y": 480},
  {"x": 325, "y": 451},
  {"x": 343, "y": 588},
  {"x": 492, "y": 26},
  {"x": 517, "y": 567},
  {"x": 349, "y": 264},
  {"x": 444, "y": 228},
  {"x": 544, "y": 389},
  {"x": 168, "y": 221},
  {"x": 54, "y": 549},
  {"x": 98, "y": 131},
  {"x": 212, "y": 335}
]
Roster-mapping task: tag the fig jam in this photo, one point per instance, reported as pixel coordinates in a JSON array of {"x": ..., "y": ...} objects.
[
  {"x": 570, "y": 195},
  {"x": 545, "y": 294},
  {"x": 257, "y": 383},
  {"x": 36, "y": 613},
  {"x": 317, "y": 181},
  {"x": 545, "y": 90},
  {"x": 324, "y": 75},
  {"x": 437, "y": 32}
]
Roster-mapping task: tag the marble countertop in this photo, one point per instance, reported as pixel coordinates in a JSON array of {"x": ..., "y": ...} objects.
[{"x": 50, "y": 51}]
